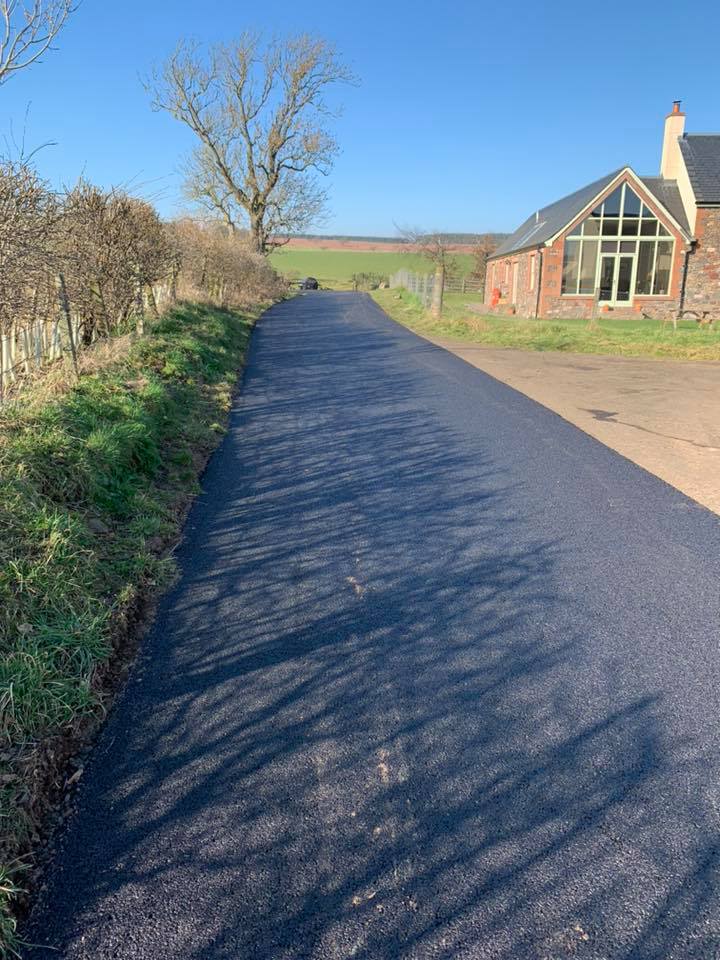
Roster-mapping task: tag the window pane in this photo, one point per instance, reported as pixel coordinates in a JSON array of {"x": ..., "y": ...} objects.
[
  {"x": 624, "y": 276},
  {"x": 647, "y": 213},
  {"x": 591, "y": 227},
  {"x": 612, "y": 203},
  {"x": 662, "y": 267},
  {"x": 627, "y": 246},
  {"x": 597, "y": 212},
  {"x": 587, "y": 268},
  {"x": 607, "y": 278},
  {"x": 576, "y": 232},
  {"x": 609, "y": 246},
  {"x": 610, "y": 228},
  {"x": 630, "y": 228},
  {"x": 632, "y": 203},
  {"x": 571, "y": 265},
  {"x": 643, "y": 280},
  {"x": 648, "y": 228},
  {"x": 662, "y": 231}
]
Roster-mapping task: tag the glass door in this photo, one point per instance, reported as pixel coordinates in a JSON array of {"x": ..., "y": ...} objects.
[
  {"x": 623, "y": 280},
  {"x": 616, "y": 274},
  {"x": 607, "y": 278}
]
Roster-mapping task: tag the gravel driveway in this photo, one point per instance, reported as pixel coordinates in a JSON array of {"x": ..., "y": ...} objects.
[{"x": 663, "y": 415}]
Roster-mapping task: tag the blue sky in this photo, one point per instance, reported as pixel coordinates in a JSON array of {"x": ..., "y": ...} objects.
[{"x": 468, "y": 115}]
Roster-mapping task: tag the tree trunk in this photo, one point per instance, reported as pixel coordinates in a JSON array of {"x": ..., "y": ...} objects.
[
  {"x": 437, "y": 294},
  {"x": 257, "y": 235}
]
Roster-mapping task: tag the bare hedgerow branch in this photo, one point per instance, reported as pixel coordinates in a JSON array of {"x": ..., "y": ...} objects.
[
  {"x": 110, "y": 254},
  {"x": 113, "y": 246},
  {"x": 220, "y": 266},
  {"x": 27, "y": 31},
  {"x": 29, "y": 219},
  {"x": 260, "y": 116}
]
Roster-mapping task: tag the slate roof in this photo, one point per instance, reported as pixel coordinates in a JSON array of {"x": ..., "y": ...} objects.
[
  {"x": 701, "y": 153},
  {"x": 548, "y": 221},
  {"x": 667, "y": 193}
]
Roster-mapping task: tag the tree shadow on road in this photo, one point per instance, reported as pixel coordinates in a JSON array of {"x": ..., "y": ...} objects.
[{"x": 370, "y": 720}]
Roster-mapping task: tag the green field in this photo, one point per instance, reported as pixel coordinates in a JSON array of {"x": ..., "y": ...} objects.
[{"x": 335, "y": 268}]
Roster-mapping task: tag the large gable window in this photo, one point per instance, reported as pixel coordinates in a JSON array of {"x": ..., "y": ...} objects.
[{"x": 619, "y": 249}]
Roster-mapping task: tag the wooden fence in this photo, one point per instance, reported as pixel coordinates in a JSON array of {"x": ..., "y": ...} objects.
[
  {"x": 27, "y": 349},
  {"x": 464, "y": 285}
]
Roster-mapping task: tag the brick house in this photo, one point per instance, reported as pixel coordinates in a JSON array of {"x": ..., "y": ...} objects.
[{"x": 632, "y": 243}]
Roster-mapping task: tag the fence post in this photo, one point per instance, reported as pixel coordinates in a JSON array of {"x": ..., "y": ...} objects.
[
  {"x": 65, "y": 307},
  {"x": 139, "y": 306},
  {"x": 592, "y": 322}
]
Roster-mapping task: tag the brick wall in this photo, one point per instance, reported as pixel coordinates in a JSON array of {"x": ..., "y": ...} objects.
[
  {"x": 703, "y": 277},
  {"x": 500, "y": 276},
  {"x": 703, "y": 283}
]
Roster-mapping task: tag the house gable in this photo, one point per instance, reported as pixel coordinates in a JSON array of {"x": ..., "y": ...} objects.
[
  {"x": 548, "y": 223},
  {"x": 650, "y": 192},
  {"x": 623, "y": 242}
]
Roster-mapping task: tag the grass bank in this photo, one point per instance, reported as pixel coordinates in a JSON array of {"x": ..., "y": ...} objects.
[
  {"x": 95, "y": 478},
  {"x": 631, "y": 338}
]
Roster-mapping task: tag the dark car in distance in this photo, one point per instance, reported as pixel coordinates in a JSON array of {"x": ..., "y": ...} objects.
[{"x": 309, "y": 283}]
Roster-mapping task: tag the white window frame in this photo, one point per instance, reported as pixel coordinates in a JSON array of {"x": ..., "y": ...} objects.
[{"x": 600, "y": 238}]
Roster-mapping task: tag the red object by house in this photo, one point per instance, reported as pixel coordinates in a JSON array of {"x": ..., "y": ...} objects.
[{"x": 495, "y": 297}]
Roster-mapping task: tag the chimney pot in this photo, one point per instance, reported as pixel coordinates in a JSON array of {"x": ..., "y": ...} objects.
[{"x": 676, "y": 106}]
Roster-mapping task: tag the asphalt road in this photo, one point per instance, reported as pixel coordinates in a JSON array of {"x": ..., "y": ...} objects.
[{"x": 441, "y": 679}]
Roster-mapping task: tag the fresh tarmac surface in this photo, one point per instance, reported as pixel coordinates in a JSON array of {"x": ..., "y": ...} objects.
[
  {"x": 440, "y": 679},
  {"x": 663, "y": 415}
]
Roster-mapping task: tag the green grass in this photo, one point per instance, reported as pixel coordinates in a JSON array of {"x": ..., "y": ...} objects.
[
  {"x": 620, "y": 337},
  {"x": 93, "y": 483},
  {"x": 335, "y": 268}
]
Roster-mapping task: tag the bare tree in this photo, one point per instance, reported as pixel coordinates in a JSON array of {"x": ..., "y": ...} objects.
[
  {"x": 483, "y": 249},
  {"x": 27, "y": 31},
  {"x": 260, "y": 115},
  {"x": 438, "y": 249}
]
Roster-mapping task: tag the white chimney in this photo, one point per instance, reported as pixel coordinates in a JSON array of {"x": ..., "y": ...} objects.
[{"x": 674, "y": 129}]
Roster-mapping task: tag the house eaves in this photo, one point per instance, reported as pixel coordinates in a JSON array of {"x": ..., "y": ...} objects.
[{"x": 544, "y": 227}]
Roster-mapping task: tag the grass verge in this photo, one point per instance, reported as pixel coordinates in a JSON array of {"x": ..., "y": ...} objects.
[
  {"x": 95, "y": 479},
  {"x": 620, "y": 337}
]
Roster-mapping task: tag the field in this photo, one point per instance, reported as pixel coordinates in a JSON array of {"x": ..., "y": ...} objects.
[
  {"x": 335, "y": 268},
  {"x": 632, "y": 338}
]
